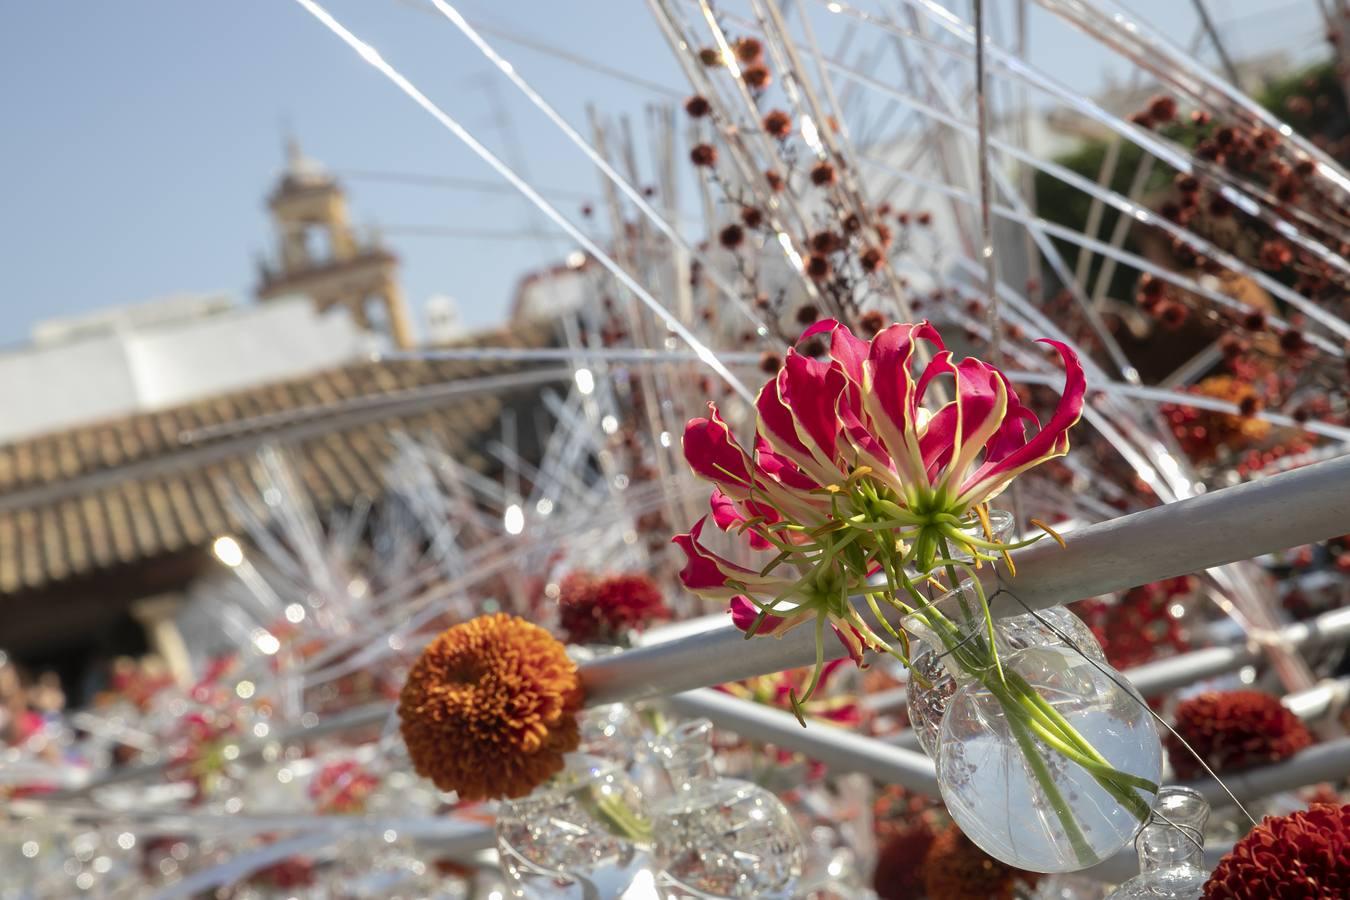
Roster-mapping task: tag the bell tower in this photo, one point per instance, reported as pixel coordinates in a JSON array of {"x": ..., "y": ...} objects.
[{"x": 320, "y": 256}]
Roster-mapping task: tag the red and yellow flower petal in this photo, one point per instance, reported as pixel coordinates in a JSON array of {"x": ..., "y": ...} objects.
[
  {"x": 713, "y": 454},
  {"x": 712, "y": 576},
  {"x": 1051, "y": 441},
  {"x": 890, "y": 397}
]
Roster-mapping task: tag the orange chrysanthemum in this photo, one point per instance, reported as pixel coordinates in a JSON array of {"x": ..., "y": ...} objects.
[{"x": 488, "y": 709}]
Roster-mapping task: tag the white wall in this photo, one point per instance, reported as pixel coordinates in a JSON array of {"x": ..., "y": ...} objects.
[{"x": 143, "y": 365}]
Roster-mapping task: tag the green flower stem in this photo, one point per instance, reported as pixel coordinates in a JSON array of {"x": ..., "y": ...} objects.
[
  {"x": 617, "y": 815},
  {"x": 1030, "y": 713},
  {"x": 1046, "y": 780}
]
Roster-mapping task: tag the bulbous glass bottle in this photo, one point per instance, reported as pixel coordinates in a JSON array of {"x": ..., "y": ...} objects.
[
  {"x": 1171, "y": 850},
  {"x": 927, "y": 695},
  {"x": 580, "y": 836},
  {"x": 719, "y": 837},
  {"x": 1046, "y": 758}
]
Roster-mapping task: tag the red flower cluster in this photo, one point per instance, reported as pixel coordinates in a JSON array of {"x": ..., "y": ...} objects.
[
  {"x": 603, "y": 608},
  {"x": 342, "y": 787},
  {"x": 955, "y": 869},
  {"x": 1234, "y": 730},
  {"x": 1140, "y": 626},
  {"x": 1301, "y": 856}
]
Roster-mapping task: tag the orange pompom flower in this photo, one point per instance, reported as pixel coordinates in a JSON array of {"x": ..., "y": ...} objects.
[{"x": 489, "y": 708}]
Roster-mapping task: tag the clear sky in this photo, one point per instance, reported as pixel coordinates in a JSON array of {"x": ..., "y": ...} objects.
[{"x": 139, "y": 137}]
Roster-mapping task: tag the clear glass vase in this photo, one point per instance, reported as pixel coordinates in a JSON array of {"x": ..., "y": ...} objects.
[
  {"x": 1171, "y": 850},
  {"x": 719, "y": 837},
  {"x": 1046, "y": 757},
  {"x": 927, "y": 695},
  {"x": 580, "y": 836}
]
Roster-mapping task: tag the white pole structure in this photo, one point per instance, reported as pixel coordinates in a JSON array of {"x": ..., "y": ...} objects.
[
  {"x": 1214, "y": 529},
  {"x": 1158, "y": 677},
  {"x": 838, "y": 748}
]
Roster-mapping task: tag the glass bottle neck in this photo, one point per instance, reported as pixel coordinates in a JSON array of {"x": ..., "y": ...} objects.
[
  {"x": 686, "y": 754},
  {"x": 1164, "y": 847},
  {"x": 1175, "y": 835}
]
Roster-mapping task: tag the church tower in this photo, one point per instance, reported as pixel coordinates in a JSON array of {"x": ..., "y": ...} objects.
[{"x": 321, "y": 257}]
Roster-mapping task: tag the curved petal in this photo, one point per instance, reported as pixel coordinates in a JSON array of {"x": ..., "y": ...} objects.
[
  {"x": 1051, "y": 441},
  {"x": 744, "y": 613},
  {"x": 709, "y": 575},
  {"x": 981, "y": 404},
  {"x": 728, "y": 514},
  {"x": 713, "y": 454},
  {"x": 810, "y": 390},
  {"x": 890, "y": 396}
]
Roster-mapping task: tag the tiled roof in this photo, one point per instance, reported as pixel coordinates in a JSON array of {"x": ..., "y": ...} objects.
[{"x": 130, "y": 489}]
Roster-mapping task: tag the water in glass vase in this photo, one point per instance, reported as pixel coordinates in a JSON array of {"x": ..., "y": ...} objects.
[
  {"x": 581, "y": 836},
  {"x": 1046, "y": 758}
]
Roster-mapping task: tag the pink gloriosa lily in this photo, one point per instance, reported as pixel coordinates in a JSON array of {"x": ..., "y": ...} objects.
[{"x": 853, "y": 474}]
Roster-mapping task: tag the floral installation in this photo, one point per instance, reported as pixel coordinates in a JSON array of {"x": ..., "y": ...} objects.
[
  {"x": 1233, "y": 730},
  {"x": 489, "y": 708},
  {"x": 1302, "y": 856},
  {"x": 857, "y": 489},
  {"x": 607, "y": 609}
]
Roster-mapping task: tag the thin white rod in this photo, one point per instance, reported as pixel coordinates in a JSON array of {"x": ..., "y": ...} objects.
[
  {"x": 633, "y": 194},
  {"x": 372, "y": 56},
  {"x": 838, "y": 748}
]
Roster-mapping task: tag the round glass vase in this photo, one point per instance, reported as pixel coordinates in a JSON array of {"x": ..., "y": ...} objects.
[
  {"x": 927, "y": 695},
  {"x": 1046, "y": 757},
  {"x": 1171, "y": 850},
  {"x": 580, "y": 835},
  {"x": 719, "y": 837}
]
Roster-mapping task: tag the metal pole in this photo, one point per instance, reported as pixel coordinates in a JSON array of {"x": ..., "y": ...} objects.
[
  {"x": 1298, "y": 507},
  {"x": 838, "y": 748}
]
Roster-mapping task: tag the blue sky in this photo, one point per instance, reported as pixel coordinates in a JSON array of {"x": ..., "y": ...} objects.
[{"x": 140, "y": 136}]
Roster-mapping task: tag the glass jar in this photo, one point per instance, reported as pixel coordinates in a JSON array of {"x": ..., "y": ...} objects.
[
  {"x": 1046, "y": 758},
  {"x": 1171, "y": 850},
  {"x": 928, "y": 694},
  {"x": 580, "y": 835},
  {"x": 719, "y": 837}
]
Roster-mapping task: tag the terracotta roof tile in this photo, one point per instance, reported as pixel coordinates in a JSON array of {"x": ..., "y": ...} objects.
[{"x": 127, "y": 490}]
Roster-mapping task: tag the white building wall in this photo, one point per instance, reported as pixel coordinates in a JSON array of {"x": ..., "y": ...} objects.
[{"x": 111, "y": 365}]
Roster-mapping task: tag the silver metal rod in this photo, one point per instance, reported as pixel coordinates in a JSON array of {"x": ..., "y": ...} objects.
[
  {"x": 1159, "y": 677},
  {"x": 1298, "y": 507},
  {"x": 838, "y": 748}
]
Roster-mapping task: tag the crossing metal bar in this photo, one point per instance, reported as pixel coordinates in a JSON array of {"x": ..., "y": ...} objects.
[{"x": 1214, "y": 529}]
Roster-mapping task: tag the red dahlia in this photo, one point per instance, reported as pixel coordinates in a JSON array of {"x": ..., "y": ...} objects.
[
  {"x": 1234, "y": 730},
  {"x": 604, "y": 608},
  {"x": 1301, "y": 856}
]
